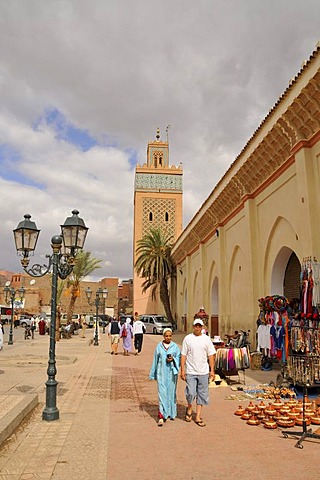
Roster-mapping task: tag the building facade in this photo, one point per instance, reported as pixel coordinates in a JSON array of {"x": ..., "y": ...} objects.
[
  {"x": 157, "y": 203},
  {"x": 38, "y": 294},
  {"x": 251, "y": 235}
]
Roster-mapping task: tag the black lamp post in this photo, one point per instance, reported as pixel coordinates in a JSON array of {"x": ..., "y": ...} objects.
[
  {"x": 101, "y": 295},
  {"x": 11, "y": 294},
  {"x": 73, "y": 235}
]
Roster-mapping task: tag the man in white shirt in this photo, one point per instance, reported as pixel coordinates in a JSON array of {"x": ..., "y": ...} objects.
[
  {"x": 138, "y": 330},
  {"x": 197, "y": 351}
]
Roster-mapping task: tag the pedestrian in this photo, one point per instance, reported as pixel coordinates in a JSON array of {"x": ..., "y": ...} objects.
[
  {"x": 1, "y": 336},
  {"x": 126, "y": 333},
  {"x": 197, "y": 350},
  {"x": 83, "y": 326},
  {"x": 114, "y": 335},
  {"x": 165, "y": 370},
  {"x": 33, "y": 327},
  {"x": 27, "y": 332},
  {"x": 42, "y": 326},
  {"x": 138, "y": 330}
]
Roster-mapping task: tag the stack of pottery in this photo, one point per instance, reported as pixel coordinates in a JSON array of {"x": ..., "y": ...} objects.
[
  {"x": 285, "y": 421},
  {"x": 299, "y": 420},
  {"x": 246, "y": 415},
  {"x": 277, "y": 403},
  {"x": 270, "y": 410},
  {"x": 240, "y": 411},
  {"x": 253, "y": 420},
  {"x": 315, "y": 418},
  {"x": 270, "y": 423}
]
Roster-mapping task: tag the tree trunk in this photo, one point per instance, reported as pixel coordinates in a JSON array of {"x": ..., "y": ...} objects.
[
  {"x": 164, "y": 297},
  {"x": 73, "y": 298}
]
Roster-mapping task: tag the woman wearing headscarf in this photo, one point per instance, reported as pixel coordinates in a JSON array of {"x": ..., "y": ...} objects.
[
  {"x": 126, "y": 335},
  {"x": 165, "y": 369}
]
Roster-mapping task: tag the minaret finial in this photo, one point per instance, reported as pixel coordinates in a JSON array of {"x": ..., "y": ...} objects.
[{"x": 158, "y": 134}]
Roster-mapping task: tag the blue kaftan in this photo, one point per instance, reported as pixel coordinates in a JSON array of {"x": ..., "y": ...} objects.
[{"x": 166, "y": 375}]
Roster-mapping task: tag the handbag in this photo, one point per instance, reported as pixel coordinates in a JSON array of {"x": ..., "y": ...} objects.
[{"x": 124, "y": 332}]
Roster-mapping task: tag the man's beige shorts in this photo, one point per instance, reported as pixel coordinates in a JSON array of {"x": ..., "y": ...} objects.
[{"x": 115, "y": 338}]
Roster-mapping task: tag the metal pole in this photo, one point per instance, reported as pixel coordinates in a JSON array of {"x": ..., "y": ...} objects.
[
  {"x": 51, "y": 411},
  {"x": 96, "y": 336},
  {"x": 10, "y": 339}
]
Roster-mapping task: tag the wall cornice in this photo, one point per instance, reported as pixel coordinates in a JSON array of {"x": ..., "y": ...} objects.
[{"x": 268, "y": 153}]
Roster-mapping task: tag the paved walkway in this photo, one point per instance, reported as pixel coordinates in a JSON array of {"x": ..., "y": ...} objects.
[{"x": 108, "y": 426}]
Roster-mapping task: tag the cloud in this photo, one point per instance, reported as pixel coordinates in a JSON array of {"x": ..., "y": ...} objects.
[{"x": 85, "y": 85}]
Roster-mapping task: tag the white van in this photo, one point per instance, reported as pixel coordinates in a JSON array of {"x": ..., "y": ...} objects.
[
  {"x": 155, "y": 323},
  {"x": 75, "y": 318}
]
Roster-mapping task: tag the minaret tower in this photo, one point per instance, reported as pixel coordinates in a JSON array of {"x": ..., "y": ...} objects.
[{"x": 157, "y": 203}]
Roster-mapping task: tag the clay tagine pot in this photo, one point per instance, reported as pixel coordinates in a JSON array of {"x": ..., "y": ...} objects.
[
  {"x": 246, "y": 416},
  {"x": 261, "y": 415},
  {"x": 270, "y": 410},
  {"x": 286, "y": 423},
  {"x": 307, "y": 402},
  {"x": 308, "y": 412},
  {"x": 277, "y": 404},
  {"x": 250, "y": 407},
  {"x": 293, "y": 414},
  {"x": 315, "y": 419},
  {"x": 262, "y": 405},
  {"x": 292, "y": 402},
  {"x": 253, "y": 420},
  {"x": 285, "y": 409},
  {"x": 299, "y": 420},
  {"x": 240, "y": 411},
  {"x": 270, "y": 424}
]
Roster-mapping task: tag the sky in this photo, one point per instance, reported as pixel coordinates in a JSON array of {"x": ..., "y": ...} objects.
[{"x": 84, "y": 85}]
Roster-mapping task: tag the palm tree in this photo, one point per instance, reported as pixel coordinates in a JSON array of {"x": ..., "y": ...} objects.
[
  {"x": 154, "y": 263},
  {"x": 85, "y": 264}
]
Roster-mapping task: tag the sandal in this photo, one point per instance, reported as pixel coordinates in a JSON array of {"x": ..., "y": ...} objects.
[
  {"x": 201, "y": 423},
  {"x": 188, "y": 416},
  {"x": 160, "y": 422}
]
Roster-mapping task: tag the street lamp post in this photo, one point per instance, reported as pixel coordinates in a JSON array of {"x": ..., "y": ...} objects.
[
  {"x": 72, "y": 238},
  {"x": 11, "y": 294},
  {"x": 101, "y": 295}
]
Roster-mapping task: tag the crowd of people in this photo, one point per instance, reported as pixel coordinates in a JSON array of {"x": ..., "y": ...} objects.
[{"x": 132, "y": 330}]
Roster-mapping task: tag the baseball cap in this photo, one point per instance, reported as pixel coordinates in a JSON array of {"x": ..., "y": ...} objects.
[{"x": 198, "y": 321}]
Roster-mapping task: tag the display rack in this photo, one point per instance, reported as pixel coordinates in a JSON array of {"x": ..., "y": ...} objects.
[
  {"x": 230, "y": 361},
  {"x": 305, "y": 362}
]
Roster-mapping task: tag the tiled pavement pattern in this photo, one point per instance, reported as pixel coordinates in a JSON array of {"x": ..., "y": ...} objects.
[{"x": 107, "y": 427}]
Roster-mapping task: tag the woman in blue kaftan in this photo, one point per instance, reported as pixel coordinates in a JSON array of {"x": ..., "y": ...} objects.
[{"x": 165, "y": 369}]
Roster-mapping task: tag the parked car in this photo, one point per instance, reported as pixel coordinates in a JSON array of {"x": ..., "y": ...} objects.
[
  {"x": 155, "y": 323},
  {"x": 25, "y": 321}
]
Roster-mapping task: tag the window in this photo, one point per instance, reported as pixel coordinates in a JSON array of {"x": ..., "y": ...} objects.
[
  {"x": 166, "y": 217},
  {"x": 150, "y": 216}
]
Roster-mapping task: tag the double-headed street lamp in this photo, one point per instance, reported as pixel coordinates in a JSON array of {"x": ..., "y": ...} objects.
[
  {"x": 11, "y": 295},
  {"x": 72, "y": 238},
  {"x": 101, "y": 296}
]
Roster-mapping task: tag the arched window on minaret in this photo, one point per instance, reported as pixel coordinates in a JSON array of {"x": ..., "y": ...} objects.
[
  {"x": 150, "y": 216},
  {"x": 158, "y": 159},
  {"x": 166, "y": 217}
]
